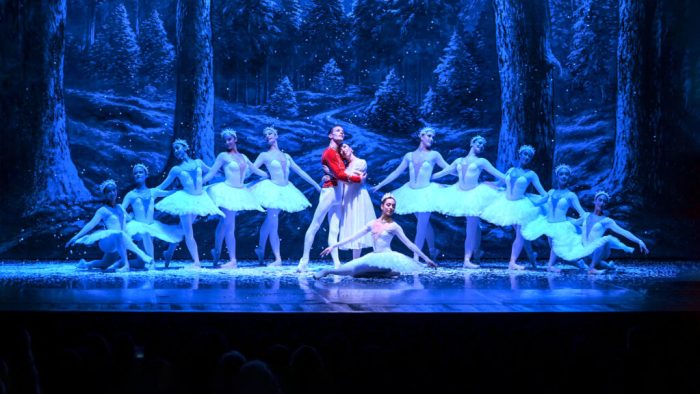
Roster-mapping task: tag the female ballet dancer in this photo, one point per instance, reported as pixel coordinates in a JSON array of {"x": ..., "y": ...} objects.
[
  {"x": 468, "y": 197},
  {"x": 514, "y": 208},
  {"x": 232, "y": 195},
  {"x": 593, "y": 241},
  {"x": 555, "y": 224},
  {"x": 419, "y": 195},
  {"x": 112, "y": 240},
  {"x": 143, "y": 226},
  {"x": 191, "y": 201},
  {"x": 277, "y": 193},
  {"x": 357, "y": 206},
  {"x": 382, "y": 262}
]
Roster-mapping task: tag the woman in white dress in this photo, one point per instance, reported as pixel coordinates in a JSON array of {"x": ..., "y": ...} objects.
[
  {"x": 191, "y": 201},
  {"x": 514, "y": 207},
  {"x": 143, "y": 226},
  {"x": 419, "y": 196},
  {"x": 357, "y": 206},
  {"x": 112, "y": 239},
  {"x": 277, "y": 193},
  {"x": 382, "y": 262},
  {"x": 468, "y": 197},
  {"x": 231, "y": 195}
]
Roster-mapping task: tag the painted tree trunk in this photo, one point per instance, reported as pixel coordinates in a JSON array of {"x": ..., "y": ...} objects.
[
  {"x": 89, "y": 36},
  {"x": 194, "y": 106},
  {"x": 525, "y": 66},
  {"x": 55, "y": 180}
]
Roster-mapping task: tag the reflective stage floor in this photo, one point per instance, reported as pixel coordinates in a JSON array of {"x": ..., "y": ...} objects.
[{"x": 637, "y": 286}]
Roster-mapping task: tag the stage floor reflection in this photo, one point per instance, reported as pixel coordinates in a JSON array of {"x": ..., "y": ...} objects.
[{"x": 635, "y": 286}]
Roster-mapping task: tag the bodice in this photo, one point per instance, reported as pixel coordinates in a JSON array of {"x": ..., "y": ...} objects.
[
  {"x": 279, "y": 171},
  {"x": 114, "y": 218},
  {"x": 594, "y": 227},
  {"x": 420, "y": 172},
  {"x": 142, "y": 205},
  {"x": 468, "y": 174},
  {"x": 516, "y": 186},
  {"x": 235, "y": 169}
]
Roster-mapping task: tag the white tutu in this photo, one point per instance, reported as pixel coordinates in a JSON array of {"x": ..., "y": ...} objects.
[
  {"x": 455, "y": 201},
  {"x": 571, "y": 248},
  {"x": 540, "y": 226},
  {"x": 357, "y": 212},
  {"x": 392, "y": 260},
  {"x": 168, "y": 233},
  {"x": 183, "y": 203},
  {"x": 286, "y": 198},
  {"x": 409, "y": 200},
  {"x": 96, "y": 236},
  {"x": 504, "y": 212},
  {"x": 233, "y": 198}
]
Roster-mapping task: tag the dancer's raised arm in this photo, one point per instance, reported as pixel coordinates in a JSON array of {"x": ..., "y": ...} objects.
[
  {"x": 295, "y": 167},
  {"x": 353, "y": 237},
  {"x": 172, "y": 175},
  {"x": 628, "y": 234},
  {"x": 402, "y": 237},
  {"x": 214, "y": 168},
  {"x": 449, "y": 170},
  {"x": 488, "y": 167},
  {"x": 88, "y": 227},
  {"x": 394, "y": 174}
]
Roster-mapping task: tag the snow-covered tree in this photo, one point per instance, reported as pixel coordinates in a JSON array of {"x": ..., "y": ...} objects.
[
  {"x": 329, "y": 80},
  {"x": 283, "y": 101},
  {"x": 324, "y": 34},
  {"x": 457, "y": 76},
  {"x": 158, "y": 54},
  {"x": 372, "y": 24},
  {"x": 429, "y": 110},
  {"x": 391, "y": 110},
  {"x": 124, "y": 62}
]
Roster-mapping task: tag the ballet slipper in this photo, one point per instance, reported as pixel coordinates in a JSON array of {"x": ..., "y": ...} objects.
[
  {"x": 303, "y": 265},
  {"x": 469, "y": 264},
  {"x": 230, "y": 265},
  {"x": 515, "y": 267}
]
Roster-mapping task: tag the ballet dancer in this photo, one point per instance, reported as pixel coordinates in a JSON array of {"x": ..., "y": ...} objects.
[
  {"x": 277, "y": 193},
  {"x": 232, "y": 195},
  {"x": 555, "y": 224},
  {"x": 357, "y": 206},
  {"x": 382, "y": 262},
  {"x": 514, "y": 208},
  {"x": 113, "y": 239},
  {"x": 190, "y": 201},
  {"x": 593, "y": 241},
  {"x": 468, "y": 197},
  {"x": 419, "y": 196},
  {"x": 329, "y": 202},
  {"x": 143, "y": 226}
]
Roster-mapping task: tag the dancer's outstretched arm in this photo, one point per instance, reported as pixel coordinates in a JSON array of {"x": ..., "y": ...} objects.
[
  {"x": 351, "y": 238},
  {"x": 538, "y": 186},
  {"x": 172, "y": 174},
  {"x": 214, "y": 168},
  {"x": 402, "y": 237},
  {"x": 302, "y": 173},
  {"x": 440, "y": 161},
  {"x": 394, "y": 174},
  {"x": 488, "y": 167},
  {"x": 627, "y": 234},
  {"x": 158, "y": 193},
  {"x": 126, "y": 202},
  {"x": 577, "y": 205},
  {"x": 87, "y": 228},
  {"x": 255, "y": 170},
  {"x": 205, "y": 167},
  {"x": 449, "y": 170}
]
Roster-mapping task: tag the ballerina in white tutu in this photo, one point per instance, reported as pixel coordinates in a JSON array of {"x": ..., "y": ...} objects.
[
  {"x": 514, "y": 208},
  {"x": 382, "y": 262},
  {"x": 556, "y": 224},
  {"x": 357, "y": 206},
  {"x": 468, "y": 197},
  {"x": 191, "y": 201},
  {"x": 419, "y": 196},
  {"x": 277, "y": 193},
  {"x": 232, "y": 195},
  {"x": 113, "y": 239},
  {"x": 143, "y": 226},
  {"x": 593, "y": 241}
]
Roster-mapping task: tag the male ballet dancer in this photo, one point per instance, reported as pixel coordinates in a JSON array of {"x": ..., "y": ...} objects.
[{"x": 331, "y": 197}]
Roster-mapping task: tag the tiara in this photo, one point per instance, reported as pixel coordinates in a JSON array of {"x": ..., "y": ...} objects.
[
  {"x": 562, "y": 167},
  {"x": 182, "y": 142},
  {"x": 426, "y": 130},
  {"x": 225, "y": 133},
  {"x": 388, "y": 195},
  {"x": 529, "y": 148},
  {"x": 270, "y": 129},
  {"x": 601, "y": 193},
  {"x": 476, "y": 138},
  {"x": 108, "y": 182},
  {"x": 140, "y": 165}
]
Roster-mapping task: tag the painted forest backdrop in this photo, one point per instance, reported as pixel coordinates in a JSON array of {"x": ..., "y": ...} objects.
[{"x": 91, "y": 87}]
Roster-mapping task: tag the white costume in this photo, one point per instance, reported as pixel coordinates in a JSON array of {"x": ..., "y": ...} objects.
[
  {"x": 143, "y": 222},
  {"x": 184, "y": 202},
  {"x": 505, "y": 212},
  {"x": 357, "y": 209},
  {"x": 230, "y": 197},
  {"x": 576, "y": 246},
  {"x": 418, "y": 194},
  {"x": 277, "y": 192},
  {"x": 456, "y": 201}
]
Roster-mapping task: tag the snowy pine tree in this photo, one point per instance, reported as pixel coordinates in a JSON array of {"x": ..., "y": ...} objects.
[
  {"x": 324, "y": 34},
  {"x": 429, "y": 109},
  {"x": 283, "y": 101},
  {"x": 329, "y": 80},
  {"x": 457, "y": 76},
  {"x": 124, "y": 62},
  {"x": 158, "y": 55},
  {"x": 390, "y": 110}
]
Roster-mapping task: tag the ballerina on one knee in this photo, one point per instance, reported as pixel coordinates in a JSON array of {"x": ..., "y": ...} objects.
[
  {"x": 190, "y": 201},
  {"x": 419, "y": 196},
  {"x": 143, "y": 227},
  {"x": 382, "y": 262},
  {"x": 468, "y": 197},
  {"x": 277, "y": 194},
  {"x": 357, "y": 206},
  {"x": 113, "y": 239},
  {"x": 514, "y": 208}
]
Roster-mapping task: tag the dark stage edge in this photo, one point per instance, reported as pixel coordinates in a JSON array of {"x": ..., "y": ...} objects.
[{"x": 637, "y": 286}]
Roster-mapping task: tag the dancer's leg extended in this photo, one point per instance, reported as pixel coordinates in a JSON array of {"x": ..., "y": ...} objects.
[
  {"x": 333, "y": 230},
  {"x": 325, "y": 201},
  {"x": 186, "y": 222}
]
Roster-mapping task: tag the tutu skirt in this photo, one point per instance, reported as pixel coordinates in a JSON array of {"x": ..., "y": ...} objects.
[
  {"x": 357, "y": 212},
  {"x": 410, "y": 200},
  {"x": 183, "y": 203},
  {"x": 571, "y": 248},
  {"x": 540, "y": 226},
  {"x": 455, "y": 201},
  {"x": 168, "y": 233},
  {"x": 286, "y": 198},
  {"x": 233, "y": 198},
  {"x": 505, "y": 212},
  {"x": 394, "y": 261},
  {"x": 96, "y": 236}
]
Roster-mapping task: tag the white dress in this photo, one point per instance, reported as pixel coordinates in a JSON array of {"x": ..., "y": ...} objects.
[
  {"x": 383, "y": 257},
  {"x": 230, "y": 197},
  {"x": 423, "y": 199},
  {"x": 185, "y": 203},
  {"x": 113, "y": 222},
  {"x": 542, "y": 226},
  {"x": 505, "y": 212},
  {"x": 357, "y": 209},
  {"x": 577, "y": 246},
  {"x": 277, "y": 192},
  {"x": 455, "y": 201},
  {"x": 143, "y": 226}
]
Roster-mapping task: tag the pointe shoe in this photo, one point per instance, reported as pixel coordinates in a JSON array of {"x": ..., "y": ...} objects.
[
  {"x": 469, "y": 264},
  {"x": 515, "y": 267},
  {"x": 114, "y": 267},
  {"x": 320, "y": 274},
  {"x": 336, "y": 264},
  {"x": 276, "y": 263},
  {"x": 261, "y": 254},
  {"x": 593, "y": 271},
  {"x": 196, "y": 266},
  {"x": 303, "y": 265},
  {"x": 551, "y": 268},
  {"x": 230, "y": 265},
  {"x": 123, "y": 268},
  {"x": 582, "y": 265}
]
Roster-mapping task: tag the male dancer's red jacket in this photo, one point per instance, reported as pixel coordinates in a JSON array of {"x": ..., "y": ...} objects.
[{"x": 331, "y": 159}]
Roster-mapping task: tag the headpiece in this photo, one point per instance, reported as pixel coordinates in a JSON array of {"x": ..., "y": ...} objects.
[
  {"x": 142, "y": 166},
  {"x": 182, "y": 142},
  {"x": 108, "y": 182},
  {"x": 386, "y": 196},
  {"x": 426, "y": 130},
  {"x": 476, "y": 138},
  {"x": 225, "y": 133},
  {"x": 270, "y": 129},
  {"x": 529, "y": 148},
  {"x": 601, "y": 193},
  {"x": 562, "y": 167}
]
